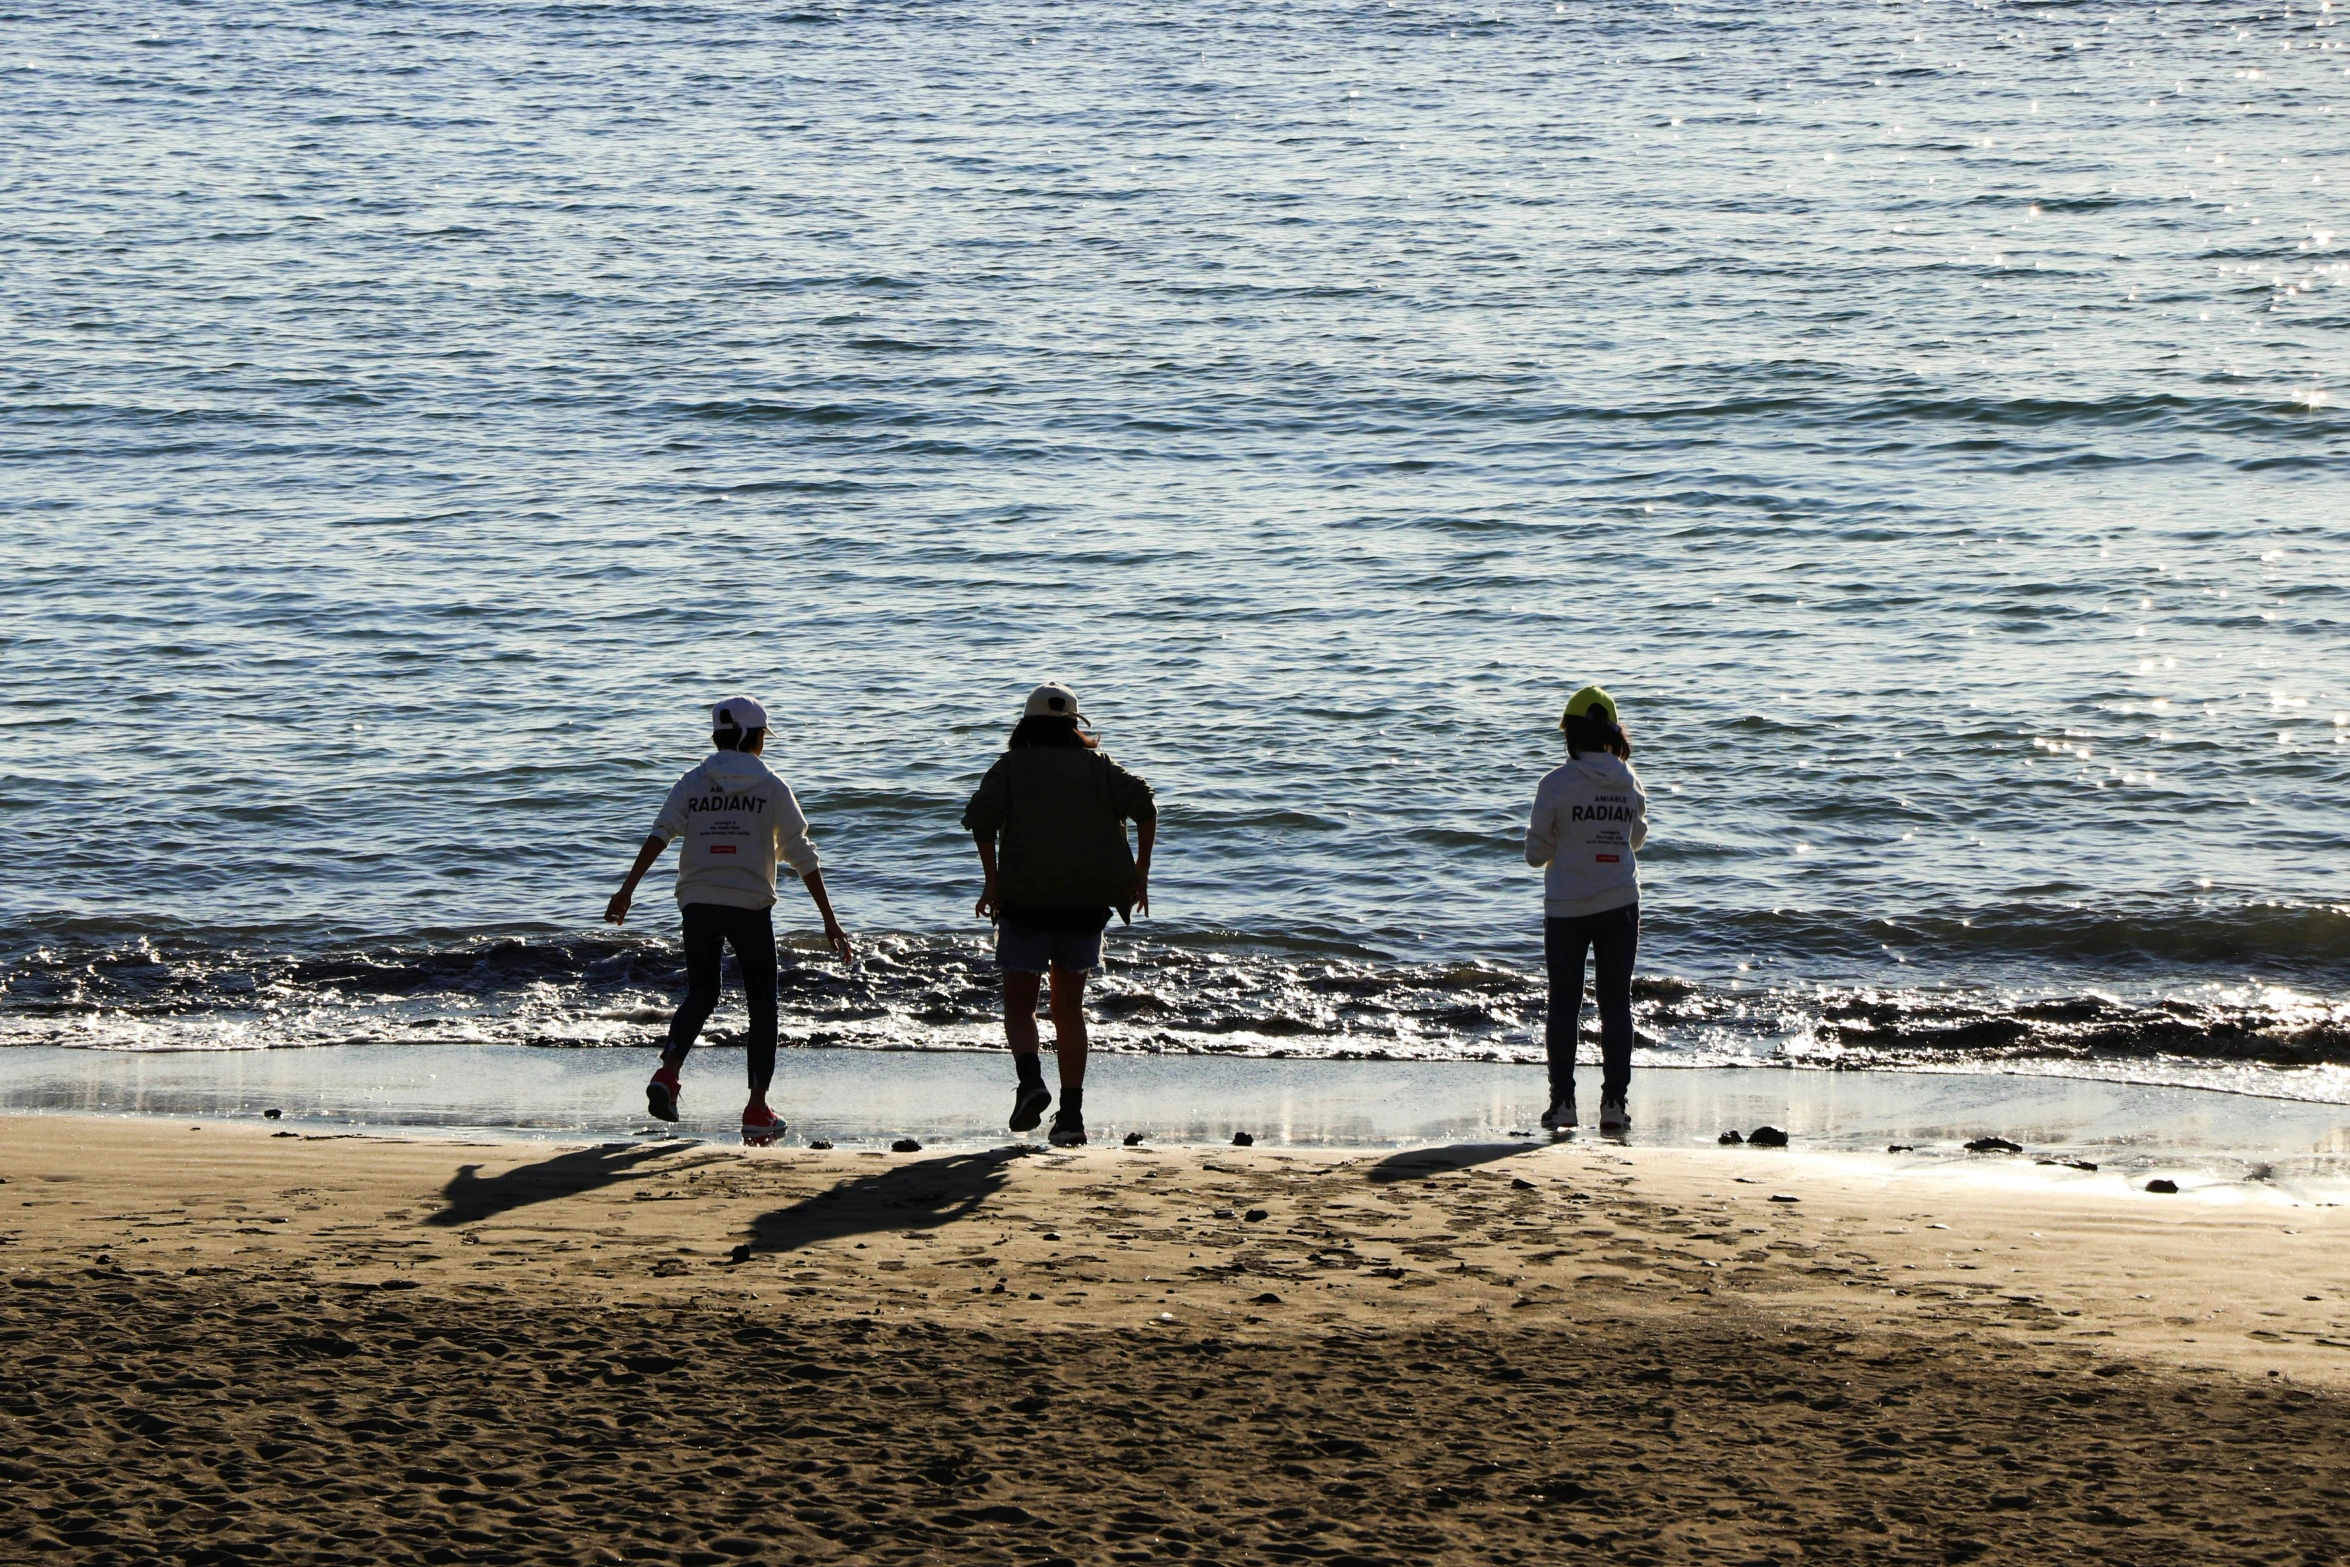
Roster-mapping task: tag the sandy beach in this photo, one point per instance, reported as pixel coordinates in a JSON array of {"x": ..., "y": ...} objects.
[{"x": 227, "y": 1344}]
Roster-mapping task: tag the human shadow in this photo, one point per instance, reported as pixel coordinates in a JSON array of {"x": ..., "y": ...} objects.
[
  {"x": 920, "y": 1196},
  {"x": 471, "y": 1197},
  {"x": 1413, "y": 1163}
]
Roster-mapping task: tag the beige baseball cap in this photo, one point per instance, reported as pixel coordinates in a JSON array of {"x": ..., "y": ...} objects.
[{"x": 1052, "y": 700}]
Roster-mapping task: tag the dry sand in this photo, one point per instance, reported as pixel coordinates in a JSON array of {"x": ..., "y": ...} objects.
[{"x": 227, "y": 1345}]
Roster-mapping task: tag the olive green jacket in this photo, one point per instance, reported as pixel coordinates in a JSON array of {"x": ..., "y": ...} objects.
[{"x": 1059, "y": 820}]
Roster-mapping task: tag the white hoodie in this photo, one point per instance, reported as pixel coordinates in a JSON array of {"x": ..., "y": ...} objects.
[
  {"x": 735, "y": 819},
  {"x": 1588, "y": 818}
]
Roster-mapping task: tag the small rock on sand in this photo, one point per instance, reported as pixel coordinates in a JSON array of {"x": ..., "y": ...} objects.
[
  {"x": 818, "y": 1143},
  {"x": 905, "y": 1145},
  {"x": 1786, "y": 1199},
  {"x": 1993, "y": 1145},
  {"x": 1243, "y": 1140},
  {"x": 1520, "y": 1183},
  {"x": 1134, "y": 1139},
  {"x": 1730, "y": 1137},
  {"x": 2159, "y": 1184},
  {"x": 1266, "y": 1299},
  {"x": 271, "y": 1114},
  {"x": 1901, "y": 1148},
  {"x": 1767, "y": 1137},
  {"x": 1256, "y": 1216}
]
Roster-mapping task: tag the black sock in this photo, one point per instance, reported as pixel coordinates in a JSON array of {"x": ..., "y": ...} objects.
[
  {"x": 1031, "y": 1073},
  {"x": 1073, "y": 1100}
]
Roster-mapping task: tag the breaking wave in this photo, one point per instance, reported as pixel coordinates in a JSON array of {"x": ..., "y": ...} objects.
[{"x": 110, "y": 986}]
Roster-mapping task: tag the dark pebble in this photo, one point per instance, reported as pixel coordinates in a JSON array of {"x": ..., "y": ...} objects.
[
  {"x": 2069, "y": 1164},
  {"x": 1256, "y": 1215},
  {"x": 818, "y": 1142},
  {"x": 1767, "y": 1137},
  {"x": 1563, "y": 1489},
  {"x": 1731, "y": 1137},
  {"x": 1993, "y": 1145},
  {"x": 741, "y": 1253},
  {"x": 271, "y": 1115},
  {"x": 905, "y": 1145},
  {"x": 1786, "y": 1199},
  {"x": 1901, "y": 1148},
  {"x": 1266, "y": 1299},
  {"x": 1134, "y": 1139},
  {"x": 1520, "y": 1183},
  {"x": 2160, "y": 1185},
  {"x": 1243, "y": 1140}
]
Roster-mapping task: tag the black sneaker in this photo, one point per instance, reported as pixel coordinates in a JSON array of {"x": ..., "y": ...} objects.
[
  {"x": 1560, "y": 1117},
  {"x": 1029, "y": 1102},
  {"x": 1068, "y": 1130}
]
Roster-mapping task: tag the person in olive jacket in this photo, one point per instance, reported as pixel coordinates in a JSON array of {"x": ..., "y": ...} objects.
[{"x": 1050, "y": 821}]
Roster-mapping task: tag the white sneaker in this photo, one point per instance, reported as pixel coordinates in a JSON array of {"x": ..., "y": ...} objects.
[
  {"x": 1613, "y": 1117},
  {"x": 1560, "y": 1117}
]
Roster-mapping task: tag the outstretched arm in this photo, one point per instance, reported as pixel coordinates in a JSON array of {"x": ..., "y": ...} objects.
[
  {"x": 834, "y": 936},
  {"x": 1145, "y": 835},
  {"x": 616, "y": 912}
]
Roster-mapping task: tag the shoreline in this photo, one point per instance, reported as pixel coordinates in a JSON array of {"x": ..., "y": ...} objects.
[
  {"x": 2175, "y": 1073},
  {"x": 376, "y": 1348},
  {"x": 856, "y": 1098}
]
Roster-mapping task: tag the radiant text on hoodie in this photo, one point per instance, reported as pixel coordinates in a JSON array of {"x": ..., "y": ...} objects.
[
  {"x": 1589, "y": 817},
  {"x": 732, "y": 820}
]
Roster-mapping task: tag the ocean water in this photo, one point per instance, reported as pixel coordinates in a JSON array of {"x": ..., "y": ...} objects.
[{"x": 1926, "y": 417}]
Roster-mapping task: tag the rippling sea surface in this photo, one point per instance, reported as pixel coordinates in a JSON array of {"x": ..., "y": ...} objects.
[{"x": 1927, "y": 418}]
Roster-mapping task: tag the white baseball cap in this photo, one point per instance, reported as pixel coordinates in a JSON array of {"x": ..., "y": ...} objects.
[
  {"x": 1052, "y": 700},
  {"x": 738, "y": 712}
]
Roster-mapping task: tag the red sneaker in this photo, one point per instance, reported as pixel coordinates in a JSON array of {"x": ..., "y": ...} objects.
[
  {"x": 761, "y": 1126},
  {"x": 661, "y": 1094}
]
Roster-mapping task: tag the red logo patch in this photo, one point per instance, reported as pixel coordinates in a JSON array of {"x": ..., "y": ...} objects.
[
  {"x": 722, "y": 848},
  {"x": 1607, "y": 859}
]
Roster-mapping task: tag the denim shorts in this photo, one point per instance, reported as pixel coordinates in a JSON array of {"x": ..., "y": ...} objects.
[{"x": 1019, "y": 950}]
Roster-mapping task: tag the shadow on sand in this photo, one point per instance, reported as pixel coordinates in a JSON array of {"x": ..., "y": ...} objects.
[
  {"x": 1413, "y": 1163},
  {"x": 919, "y": 1196},
  {"x": 470, "y": 1197}
]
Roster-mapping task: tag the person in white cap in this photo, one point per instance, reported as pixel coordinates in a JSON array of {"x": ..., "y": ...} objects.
[
  {"x": 736, "y": 820},
  {"x": 1588, "y": 819},
  {"x": 1050, "y": 822}
]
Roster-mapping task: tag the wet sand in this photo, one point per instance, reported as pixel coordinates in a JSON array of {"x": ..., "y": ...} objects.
[
  {"x": 232, "y": 1345},
  {"x": 867, "y": 1099}
]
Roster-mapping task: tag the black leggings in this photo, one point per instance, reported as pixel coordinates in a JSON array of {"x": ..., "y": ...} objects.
[
  {"x": 709, "y": 929},
  {"x": 1613, "y": 938}
]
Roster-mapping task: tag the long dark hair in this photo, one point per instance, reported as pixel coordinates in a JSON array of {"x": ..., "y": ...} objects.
[
  {"x": 1052, "y": 731},
  {"x": 1594, "y": 733}
]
